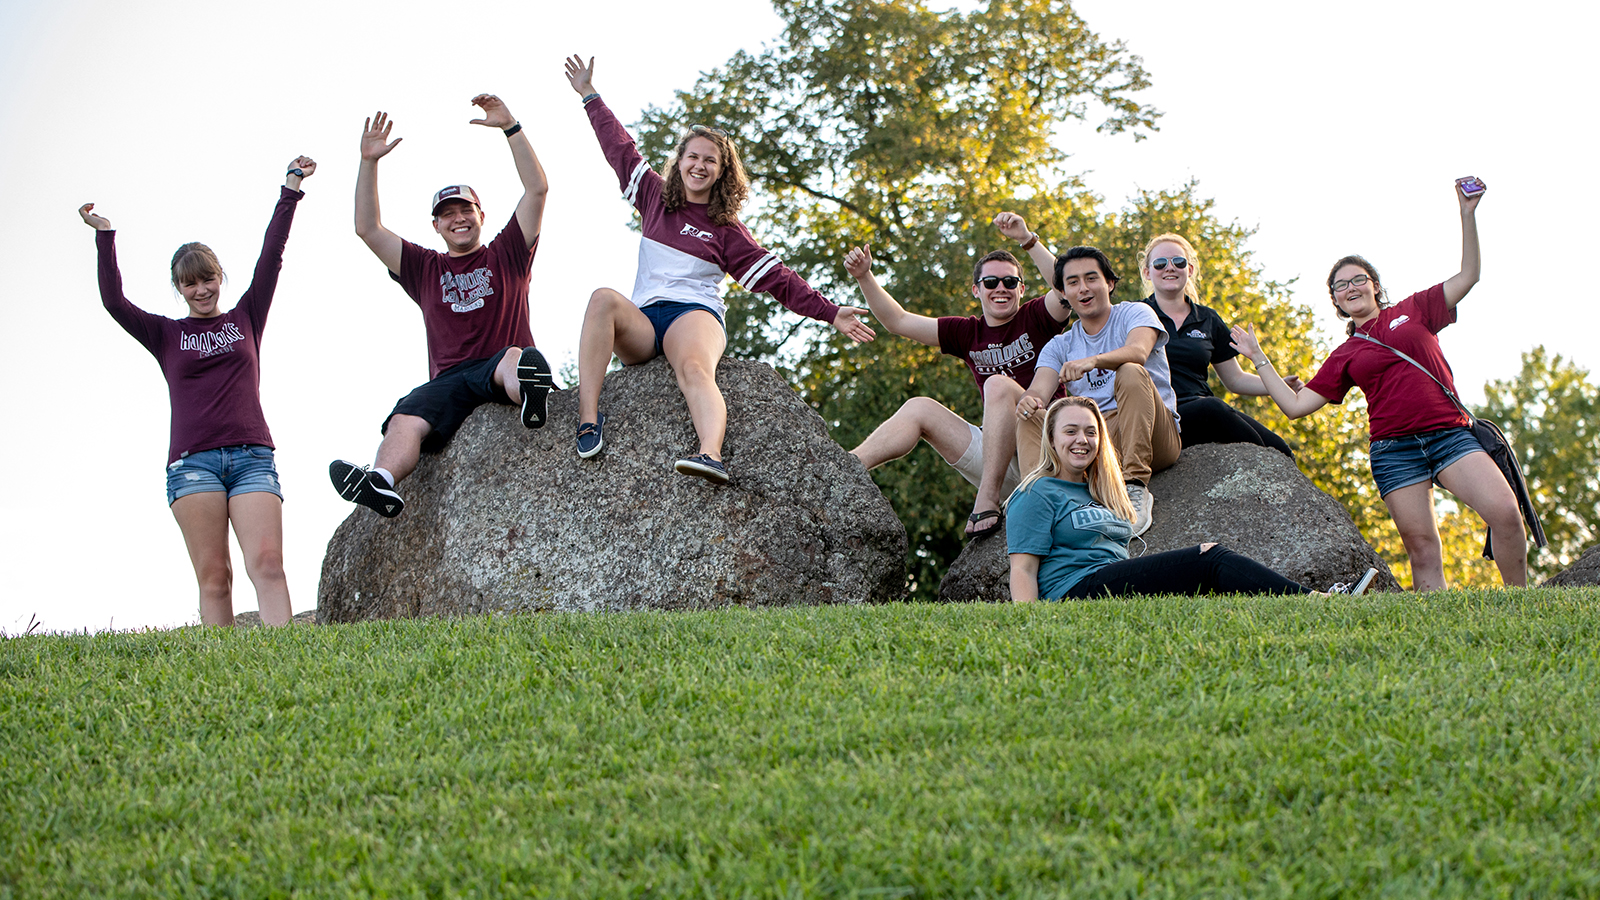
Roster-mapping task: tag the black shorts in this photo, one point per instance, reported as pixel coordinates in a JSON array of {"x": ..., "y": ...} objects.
[{"x": 446, "y": 401}]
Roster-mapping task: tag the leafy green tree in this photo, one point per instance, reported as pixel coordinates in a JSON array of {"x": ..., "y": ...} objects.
[{"x": 1551, "y": 414}]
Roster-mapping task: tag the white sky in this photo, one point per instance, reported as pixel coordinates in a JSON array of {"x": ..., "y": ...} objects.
[{"x": 1334, "y": 128}]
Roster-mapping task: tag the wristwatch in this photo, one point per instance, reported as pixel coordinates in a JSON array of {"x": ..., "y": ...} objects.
[{"x": 296, "y": 171}]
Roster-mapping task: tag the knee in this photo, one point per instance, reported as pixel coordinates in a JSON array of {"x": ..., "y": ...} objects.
[
  {"x": 603, "y": 300},
  {"x": 268, "y": 566},
  {"x": 920, "y": 410},
  {"x": 1001, "y": 389},
  {"x": 1132, "y": 375},
  {"x": 216, "y": 578},
  {"x": 697, "y": 373}
]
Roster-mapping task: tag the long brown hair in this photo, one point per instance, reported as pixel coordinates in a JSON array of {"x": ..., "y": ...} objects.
[
  {"x": 195, "y": 261},
  {"x": 1104, "y": 476},
  {"x": 729, "y": 191}
]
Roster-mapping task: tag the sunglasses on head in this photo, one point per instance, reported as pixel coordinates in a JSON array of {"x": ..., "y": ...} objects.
[
  {"x": 990, "y": 282},
  {"x": 1160, "y": 263},
  {"x": 707, "y": 129}
]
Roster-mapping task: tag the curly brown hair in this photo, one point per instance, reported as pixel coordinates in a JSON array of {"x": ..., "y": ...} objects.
[{"x": 732, "y": 186}]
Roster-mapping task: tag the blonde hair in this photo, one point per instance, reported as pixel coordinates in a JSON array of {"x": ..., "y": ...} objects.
[
  {"x": 729, "y": 191},
  {"x": 1190, "y": 290},
  {"x": 195, "y": 262},
  {"x": 1104, "y": 476}
]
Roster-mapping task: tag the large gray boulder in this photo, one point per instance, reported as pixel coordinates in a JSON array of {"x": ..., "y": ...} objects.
[
  {"x": 1583, "y": 573},
  {"x": 1249, "y": 498},
  {"x": 511, "y": 520}
]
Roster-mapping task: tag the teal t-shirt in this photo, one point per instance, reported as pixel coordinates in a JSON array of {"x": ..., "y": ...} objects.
[{"x": 1072, "y": 535}]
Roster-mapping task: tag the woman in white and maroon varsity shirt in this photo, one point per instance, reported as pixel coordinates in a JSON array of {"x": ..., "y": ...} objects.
[
  {"x": 692, "y": 238},
  {"x": 220, "y": 466},
  {"x": 1419, "y": 436}
]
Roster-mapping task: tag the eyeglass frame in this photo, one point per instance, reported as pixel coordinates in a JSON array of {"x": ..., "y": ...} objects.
[
  {"x": 1352, "y": 281},
  {"x": 999, "y": 280},
  {"x": 1178, "y": 262}
]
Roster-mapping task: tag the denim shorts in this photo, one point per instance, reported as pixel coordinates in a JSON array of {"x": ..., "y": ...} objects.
[
  {"x": 237, "y": 470},
  {"x": 663, "y": 313},
  {"x": 1417, "y": 458}
]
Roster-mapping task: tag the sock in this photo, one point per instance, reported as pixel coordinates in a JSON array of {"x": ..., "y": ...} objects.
[{"x": 385, "y": 473}]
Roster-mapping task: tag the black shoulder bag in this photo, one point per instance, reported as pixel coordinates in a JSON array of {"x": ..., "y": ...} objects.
[{"x": 1494, "y": 442}]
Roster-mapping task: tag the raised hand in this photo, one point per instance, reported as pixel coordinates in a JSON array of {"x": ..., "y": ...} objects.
[
  {"x": 495, "y": 112},
  {"x": 98, "y": 223},
  {"x": 580, "y": 76},
  {"x": 375, "y": 142},
  {"x": 1012, "y": 226},
  {"x": 858, "y": 262},
  {"x": 849, "y": 323},
  {"x": 1469, "y": 204},
  {"x": 305, "y": 165},
  {"x": 1243, "y": 339}
]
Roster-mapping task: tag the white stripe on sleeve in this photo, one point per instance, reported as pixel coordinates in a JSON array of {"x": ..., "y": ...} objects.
[
  {"x": 633, "y": 181},
  {"x": 759, "y": 271}
]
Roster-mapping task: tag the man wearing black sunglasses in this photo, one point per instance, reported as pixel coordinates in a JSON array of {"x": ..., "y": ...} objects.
[{"x": 1000, "y": 347}]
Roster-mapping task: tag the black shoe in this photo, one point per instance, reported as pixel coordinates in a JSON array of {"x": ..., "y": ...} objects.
[
  {"x": 359, "y": 484},
  {"x": 591, "y": 437},
  {"x": 702, "y": 466},
  {"x": 533, "y": 377}
]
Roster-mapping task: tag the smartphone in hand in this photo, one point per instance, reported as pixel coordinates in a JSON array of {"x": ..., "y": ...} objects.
[{"x": 1470, "y": 186}]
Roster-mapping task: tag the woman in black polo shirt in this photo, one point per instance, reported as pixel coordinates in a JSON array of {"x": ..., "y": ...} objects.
[{"x": 1199, "y": 338}]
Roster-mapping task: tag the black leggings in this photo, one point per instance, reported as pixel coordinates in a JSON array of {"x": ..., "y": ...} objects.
[
  {"x": 1188, "y": 571},
  {"x": 1208, "y": 420}
]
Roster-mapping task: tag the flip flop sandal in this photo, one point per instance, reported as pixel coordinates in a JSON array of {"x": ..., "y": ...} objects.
[{"x": 985, "y": 516}]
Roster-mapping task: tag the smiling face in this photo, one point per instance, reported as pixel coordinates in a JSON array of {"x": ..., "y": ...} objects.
[
  {"x": 1000, "y": 303},
  {"x": 1358, "y": 301},
  {"x": 1076, "y": 439},
  {"x": 460, "y": 223},
  {"x": 700, "y": 166},
  {"x": 202, "y": 293},
  {"x": 1086, "y": 289},
  {"x": 1168, "y": 281}
]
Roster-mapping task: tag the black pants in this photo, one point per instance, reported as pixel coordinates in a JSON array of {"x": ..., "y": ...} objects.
[
  {"x": 1218, "y": 570},
  {"x": 1208, "y": 420}
]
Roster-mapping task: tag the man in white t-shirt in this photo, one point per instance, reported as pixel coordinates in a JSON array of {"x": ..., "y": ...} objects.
[{"x": 1115, "y": 355}]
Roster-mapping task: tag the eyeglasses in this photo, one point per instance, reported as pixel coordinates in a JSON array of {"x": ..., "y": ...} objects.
[
  {"x": 1160, "y": 263},
  {"x": 707, "y": 129},
  {"x": 990, "y": 282},
  {"x": 1357, "y": 281}
]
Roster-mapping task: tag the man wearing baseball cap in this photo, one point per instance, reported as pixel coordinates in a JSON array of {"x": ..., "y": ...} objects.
[{"x": 474, "y": 301}]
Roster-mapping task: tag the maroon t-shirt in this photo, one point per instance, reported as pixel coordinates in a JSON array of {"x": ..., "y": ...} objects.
[
  {"x": 212, "y": 366},
  {"x": 473, "y": 306},
  {"x": 1401, "y": 399},
  {"x": 1011, "y": 349}
]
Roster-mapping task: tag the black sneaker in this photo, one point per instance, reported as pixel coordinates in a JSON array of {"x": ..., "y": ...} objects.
[
  {"x": 702, "y": 466},
  {"x": 359, "y": 484},
  {"x": 591, "y": 438},
  {"x": 1356, "y": 589},
  {"x": 535, "y": 381}
]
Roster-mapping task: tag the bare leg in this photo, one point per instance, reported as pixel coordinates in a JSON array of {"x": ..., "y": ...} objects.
[
  {"x": 258, "y": 523},
  {"x": 505, "y": 374},
  {"x": 1411, "y": 507},
  {"x": 693, "y": 344},
  {"x": 1477, "y": 482},
  {"x": 402, "y": 445},
  {"x": 1000, "y": 396},
  {"x": 612, "y": 324},
  {"x": 203, "y": 519},
  {"x": 918, "y": 419}
]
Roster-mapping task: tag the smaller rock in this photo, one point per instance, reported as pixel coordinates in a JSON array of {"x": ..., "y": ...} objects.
[{"x": 252, "y": 619}]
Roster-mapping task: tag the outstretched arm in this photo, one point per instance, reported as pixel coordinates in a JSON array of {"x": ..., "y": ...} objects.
[
  {"x": 923, "y": 329},
  {"x": 1294, "y": 402},
  {"x": 375, "y": 145},
  {"x": 1044, "y": 259},
  {"x": 1457, "y": 285},
  {"x": 1244, "y": 383},
  {"x": 530, "y": 209}
]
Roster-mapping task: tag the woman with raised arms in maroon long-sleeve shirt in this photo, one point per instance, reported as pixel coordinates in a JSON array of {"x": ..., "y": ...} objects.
[
  {"x": 692, "y": 239},
  {"x": 220, "y": 466}
]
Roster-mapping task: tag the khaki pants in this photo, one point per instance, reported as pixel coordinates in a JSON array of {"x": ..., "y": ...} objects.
[{"x": 1144, "y": 433}]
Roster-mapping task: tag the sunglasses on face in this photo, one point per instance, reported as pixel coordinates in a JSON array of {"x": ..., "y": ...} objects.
[
  {"x": 990, "y": 282},
  {"x": 1357, "y": 281},
  {"x": 1160, "y": 263}
]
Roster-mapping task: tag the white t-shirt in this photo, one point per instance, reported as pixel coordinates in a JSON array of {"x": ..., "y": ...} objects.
[{"x": 1098, "y": 384}]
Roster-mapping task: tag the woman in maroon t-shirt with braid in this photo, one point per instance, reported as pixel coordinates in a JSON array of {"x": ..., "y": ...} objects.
[
  {"x": 220, "y": 466},
  {"x": 1419, "y": 437}
]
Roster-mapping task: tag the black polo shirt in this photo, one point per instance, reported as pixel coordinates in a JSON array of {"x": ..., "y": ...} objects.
[{"x": 1203, "y": 341}]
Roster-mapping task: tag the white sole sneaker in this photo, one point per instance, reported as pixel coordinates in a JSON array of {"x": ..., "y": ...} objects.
[{"x": 361, "y": 485}]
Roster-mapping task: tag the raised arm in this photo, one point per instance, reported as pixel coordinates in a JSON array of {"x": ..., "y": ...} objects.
[
  {"x": 1015, "y": 227},
  {"x": 530, "y": 209},
  {"x": 256, "y": 300},
  {"x": 1294, "y": 402},
  {"x": 1457, "y": 285},
  {"x": 375, "y": 145},
  {"x": 923, "y": 329}
]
